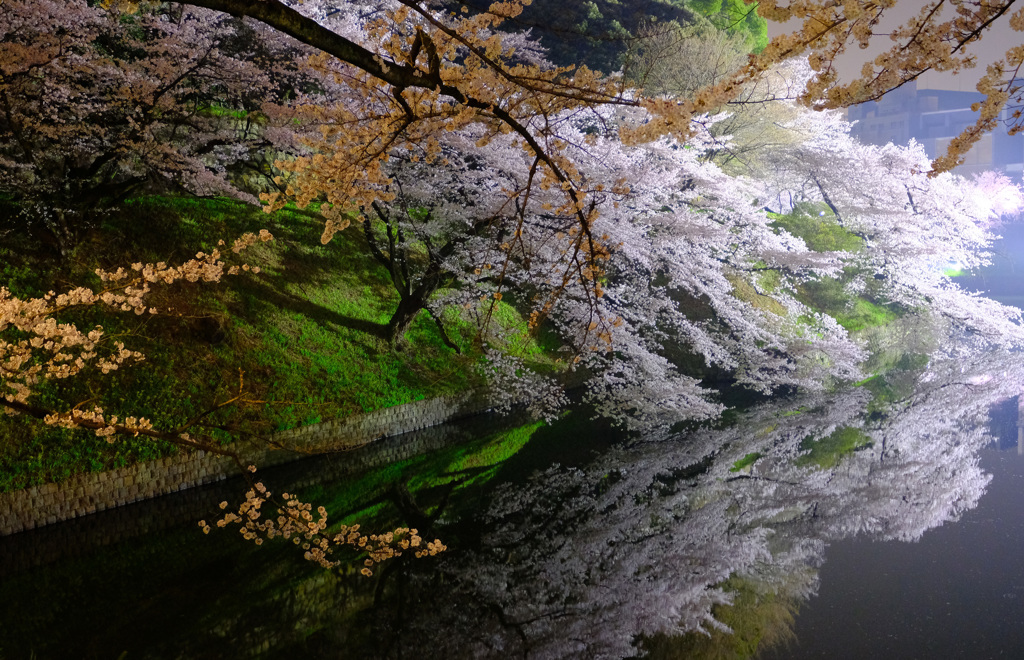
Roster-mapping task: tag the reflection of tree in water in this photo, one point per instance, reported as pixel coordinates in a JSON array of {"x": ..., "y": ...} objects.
[
  {"x": 650, "y": 540},
  {"x": 720, "y": 530},
  {"x": 171, "y": 592}
]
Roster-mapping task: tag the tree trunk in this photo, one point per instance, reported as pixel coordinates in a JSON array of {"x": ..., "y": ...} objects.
[{"x": 403, "y": 317}]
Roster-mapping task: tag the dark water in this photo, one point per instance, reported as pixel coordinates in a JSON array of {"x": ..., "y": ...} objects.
[
  {"x": 569, "y": 541},
  {"x": 958, "y": 592},
  {"x": 885, "y": 520}
]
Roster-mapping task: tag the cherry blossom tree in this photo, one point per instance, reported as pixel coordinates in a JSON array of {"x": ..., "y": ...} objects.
[
  {"x": 427, "y": 71},
  {"x": 686, "y": 257},
  {"x": 95, "y": 104},
  {"x": 938, "y": 36},
  {"x": 673, "y": 218},
  {"x": 582, "y": 561},
  {"x": 678, "y": 276},
  {"x": 913, "y": 222}
]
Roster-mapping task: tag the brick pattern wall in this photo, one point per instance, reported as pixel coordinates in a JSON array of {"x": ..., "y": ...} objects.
[
  {"x": 80, "y": 496},
  {"x": 81, "y": 536}
]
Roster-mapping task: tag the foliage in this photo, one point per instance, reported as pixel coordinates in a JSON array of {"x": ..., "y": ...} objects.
[
  {"x": 931, "y": 39},
  {"x": 735, "y": 17},
  {"x": 307, "y": 333},
  {"x": 745, "y": 462},
  {"x": 818, "y": 228},
  {"x": 602, "y": 33},
  {"x": 99, "y": 104},
  {"x": 825, "y": 453},
  {"x": 597, "y": 33},
  {"x": 680, "y": 61},
  {"x": 751, "y": 124}
]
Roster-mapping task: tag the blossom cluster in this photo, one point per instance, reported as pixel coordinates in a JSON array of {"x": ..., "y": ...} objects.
[
  {"x": 296, "y": 521},
  {"x": 103, "y": 97},
  {"x": 35, "y": 346}
]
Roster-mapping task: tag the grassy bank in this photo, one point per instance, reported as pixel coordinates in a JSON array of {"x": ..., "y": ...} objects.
[
  {"x": 301, "y": 342},
  {"x": 306, "y": 332}
]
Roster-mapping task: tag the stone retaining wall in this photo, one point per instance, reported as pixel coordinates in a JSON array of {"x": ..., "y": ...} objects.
[
  {"x": 81, "y": 536},
  {"x": 89, "y": 493}
]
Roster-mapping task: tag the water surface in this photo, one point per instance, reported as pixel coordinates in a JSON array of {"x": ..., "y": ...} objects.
[{"x": 570, "y": 540}]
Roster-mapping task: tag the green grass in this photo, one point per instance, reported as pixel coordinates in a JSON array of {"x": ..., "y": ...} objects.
[
  {"x": 745, "y": 462},
  {"x": 428, "y": 479},
  {"x": 216, "y": 110},
  {"x": 851, "y": 311},
  {"x": 761, "y": 616},
  {"x": 817, "y": 226},
  {"x": 307, "y": 332},
  {"x": 820, "y": 231},
  {"x": 827, "y": 452},
  {"x": 864, "y": 314},
  {"x": 746, "y": 292}
]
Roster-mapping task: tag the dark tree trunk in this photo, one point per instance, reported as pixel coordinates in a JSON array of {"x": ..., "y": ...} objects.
[
  {"x": 403, "y": 317},
  {"x": 406, "y": 313},
  {"x": 414, "y": 295}
]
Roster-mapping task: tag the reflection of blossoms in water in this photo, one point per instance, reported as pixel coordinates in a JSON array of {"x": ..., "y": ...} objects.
[{"x": 580, "y": 562}]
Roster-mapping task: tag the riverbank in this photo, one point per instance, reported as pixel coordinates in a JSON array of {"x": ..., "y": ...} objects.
[
  {"x": 297, "y": 344},
  {"x": 302, "y": 341},
  {"x": 85, "y": 494}
]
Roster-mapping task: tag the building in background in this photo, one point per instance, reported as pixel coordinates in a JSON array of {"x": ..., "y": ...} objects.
[{"x": 933, "y": 115}]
